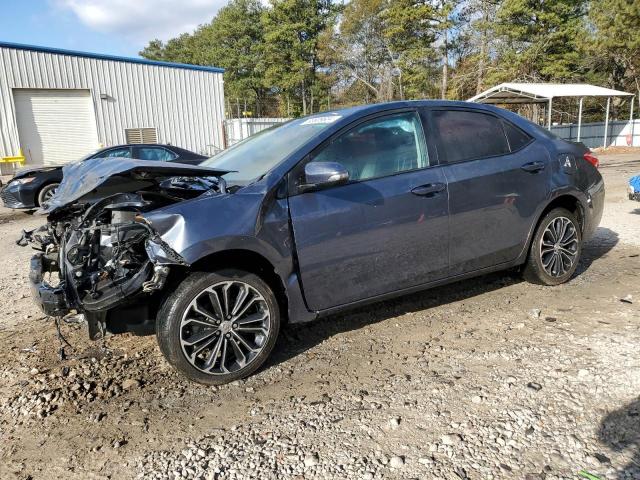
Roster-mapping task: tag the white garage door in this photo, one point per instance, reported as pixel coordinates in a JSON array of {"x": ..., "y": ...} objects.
[{"x": 55, "y": 126}]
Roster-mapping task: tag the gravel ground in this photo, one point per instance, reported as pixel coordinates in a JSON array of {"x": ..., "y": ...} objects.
[{"x": 487, "y": 378}]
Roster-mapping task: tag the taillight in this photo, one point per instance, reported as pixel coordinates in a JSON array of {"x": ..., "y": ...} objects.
[{"x": 592, "y": 159}]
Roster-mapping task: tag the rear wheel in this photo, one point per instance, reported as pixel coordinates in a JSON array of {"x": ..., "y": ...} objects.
[
  {"x": 555, "y": 250},
  {"x": 46, "y": 193},
  {"x": 219, "y": 327}
]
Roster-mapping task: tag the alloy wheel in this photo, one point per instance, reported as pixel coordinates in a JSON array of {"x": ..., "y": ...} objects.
[
  {"x": 48, "y": 195},
  {"x": 559, "y": 246},
  {"x": 225, "y": 327}
]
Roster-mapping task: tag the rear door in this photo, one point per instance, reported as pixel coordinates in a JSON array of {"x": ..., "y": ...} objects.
[
  {"x": 385, "y": 230},
  {"x": 497, "y": 177}
]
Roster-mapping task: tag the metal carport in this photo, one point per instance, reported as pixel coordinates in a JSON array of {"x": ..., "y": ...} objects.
[{"x": 528, "y": 93}]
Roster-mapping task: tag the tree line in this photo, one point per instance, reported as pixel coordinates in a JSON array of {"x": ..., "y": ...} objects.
[{"x": 294, "y": 57}]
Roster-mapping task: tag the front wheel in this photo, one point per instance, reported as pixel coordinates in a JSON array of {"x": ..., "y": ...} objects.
[
  {"x": 555, "y": 250},
  {"x": 218, "y": 327},
  {"x": 46, "y": 193}
]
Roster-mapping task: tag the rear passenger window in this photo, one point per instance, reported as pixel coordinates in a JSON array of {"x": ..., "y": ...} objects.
[
  {"x": 466, "y": 135},
  {"x": 154, "y": 153},
  {"x": 517, "y": 138}
]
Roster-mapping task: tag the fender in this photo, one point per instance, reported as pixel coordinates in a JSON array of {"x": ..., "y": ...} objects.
[
  {"x": 284, "y": 268},
  {"x": 210, "y": 225},
  {"x": 566, "y": 191}
]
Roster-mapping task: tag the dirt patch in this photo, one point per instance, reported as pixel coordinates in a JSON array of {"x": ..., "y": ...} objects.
[
  {"x": 487, "y": 378},
  {"x": 617, "y": 150}
]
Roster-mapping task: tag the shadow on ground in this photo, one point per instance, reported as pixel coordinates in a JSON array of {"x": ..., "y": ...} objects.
[
  {"x": 603, "y": 240},
  {"x": 296, "y": 339},
  {"x": 620, "y": 431}
]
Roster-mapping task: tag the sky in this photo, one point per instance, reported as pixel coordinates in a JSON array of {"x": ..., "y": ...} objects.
[{"x": 117, "y": 27}]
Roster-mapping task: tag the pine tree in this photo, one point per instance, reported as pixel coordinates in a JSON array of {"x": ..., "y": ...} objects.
[
  {"x": 232, "y": 40},
  {"x": 290, "y": 52},
  {"x": 542, "y": 39},
  {"x": 615, "y": 47}
]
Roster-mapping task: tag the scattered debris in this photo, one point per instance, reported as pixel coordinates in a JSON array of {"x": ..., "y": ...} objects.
[
  {"x": 534, "y": 386},
  {"x": 535, "y": 313}
]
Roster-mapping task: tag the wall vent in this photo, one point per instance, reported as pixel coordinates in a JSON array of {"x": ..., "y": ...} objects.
[{"x": 141, "y": 135}]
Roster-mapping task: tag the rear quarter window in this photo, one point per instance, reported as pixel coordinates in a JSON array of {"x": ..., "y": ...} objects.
[
  {"x": 516, "y": 137},
  {"x": 466, "y": 135}
]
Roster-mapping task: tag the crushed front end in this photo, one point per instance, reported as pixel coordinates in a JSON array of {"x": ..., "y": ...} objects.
[
  {"x": 102, "y": 258},
  {"x": 99, "y": 260}
]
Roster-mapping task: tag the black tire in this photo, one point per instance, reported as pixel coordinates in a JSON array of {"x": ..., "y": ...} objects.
[
  {"x": 170, "y": 328},
  {"x": 535, "y": 270},
  {"x": 45, "y": 192}
]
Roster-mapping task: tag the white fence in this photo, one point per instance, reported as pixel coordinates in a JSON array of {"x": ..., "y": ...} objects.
[
  {"x": 622, "y": 133},
  {"x": 237, "y": 129}
]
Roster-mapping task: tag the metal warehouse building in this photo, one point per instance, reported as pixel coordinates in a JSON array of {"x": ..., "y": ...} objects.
[{"x": 58, "y": 105}]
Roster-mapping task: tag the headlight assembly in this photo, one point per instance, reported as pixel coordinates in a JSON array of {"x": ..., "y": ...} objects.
[{"x": 22, "y": 181}]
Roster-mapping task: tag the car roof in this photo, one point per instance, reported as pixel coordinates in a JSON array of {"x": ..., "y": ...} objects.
[
  {"x": 375, "y": 107},
  {"x": 129, "y": 145},
  {"x": 352, "y": 113}
]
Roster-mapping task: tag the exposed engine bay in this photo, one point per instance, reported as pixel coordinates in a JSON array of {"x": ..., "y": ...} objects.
[{"x": 101, "y": 255}]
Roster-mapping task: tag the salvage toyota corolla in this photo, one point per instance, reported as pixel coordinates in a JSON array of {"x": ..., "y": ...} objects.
[{"x": 317, "y": 215}]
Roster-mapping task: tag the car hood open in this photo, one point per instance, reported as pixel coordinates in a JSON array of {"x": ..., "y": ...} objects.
[{"x": 83, "y": 178}]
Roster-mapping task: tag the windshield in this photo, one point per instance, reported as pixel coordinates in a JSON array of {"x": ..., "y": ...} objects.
[{"x": 256, "y": 155}]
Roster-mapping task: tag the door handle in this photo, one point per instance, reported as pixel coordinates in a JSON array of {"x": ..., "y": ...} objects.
[
  {"x": 533, "y": 167},
  {"x": 428, "y": 190}
]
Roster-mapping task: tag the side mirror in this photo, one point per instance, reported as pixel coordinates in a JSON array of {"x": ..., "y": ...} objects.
[{"x": 324, "y": 174}]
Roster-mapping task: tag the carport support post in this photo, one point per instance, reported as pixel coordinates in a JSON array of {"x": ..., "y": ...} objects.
[
  {"x": 633, "y": 101},
  {"x": 606, "y": 124},
  {"x": 579, "y": 118},
  {"x": 549, "y": 114}
]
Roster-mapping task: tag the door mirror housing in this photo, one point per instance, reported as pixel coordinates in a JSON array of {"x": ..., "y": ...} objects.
[{"x": 323, "y": 174}]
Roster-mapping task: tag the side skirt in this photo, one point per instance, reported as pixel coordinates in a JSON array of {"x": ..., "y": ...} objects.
[{"x": 418, "y": 288}]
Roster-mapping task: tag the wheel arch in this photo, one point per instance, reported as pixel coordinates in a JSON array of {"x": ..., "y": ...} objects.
[
  {"x": 569, "y": 202},
  {"x": 250, "y": 261},
  {"x": 566, "y": 200}
]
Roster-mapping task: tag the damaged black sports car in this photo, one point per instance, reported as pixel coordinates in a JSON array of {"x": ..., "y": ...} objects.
[{"x": 316, "y": 215}]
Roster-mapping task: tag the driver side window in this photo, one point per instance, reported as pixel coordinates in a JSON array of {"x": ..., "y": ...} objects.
[{"x": 379, "y": 147}]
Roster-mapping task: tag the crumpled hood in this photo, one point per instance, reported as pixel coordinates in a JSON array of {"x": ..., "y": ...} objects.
[
  {"x": 23, "y": 172},
  {"x": 82, "y": 178}
]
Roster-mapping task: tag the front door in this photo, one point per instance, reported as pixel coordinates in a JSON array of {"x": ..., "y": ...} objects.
[
  {"x": 497, "y": 178},
  {"x": 385, "y": 230}
]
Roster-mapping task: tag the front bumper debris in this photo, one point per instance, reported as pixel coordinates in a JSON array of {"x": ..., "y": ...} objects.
[{"x": 51, "y": 300}]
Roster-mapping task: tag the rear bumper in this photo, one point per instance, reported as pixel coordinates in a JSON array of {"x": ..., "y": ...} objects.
[
  {"x": 595, "y": 206},
  {"x": 51, "y": 300}
]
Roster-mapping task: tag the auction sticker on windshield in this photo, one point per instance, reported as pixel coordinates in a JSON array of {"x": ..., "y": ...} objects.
[{"x": 321, "y": 120}]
